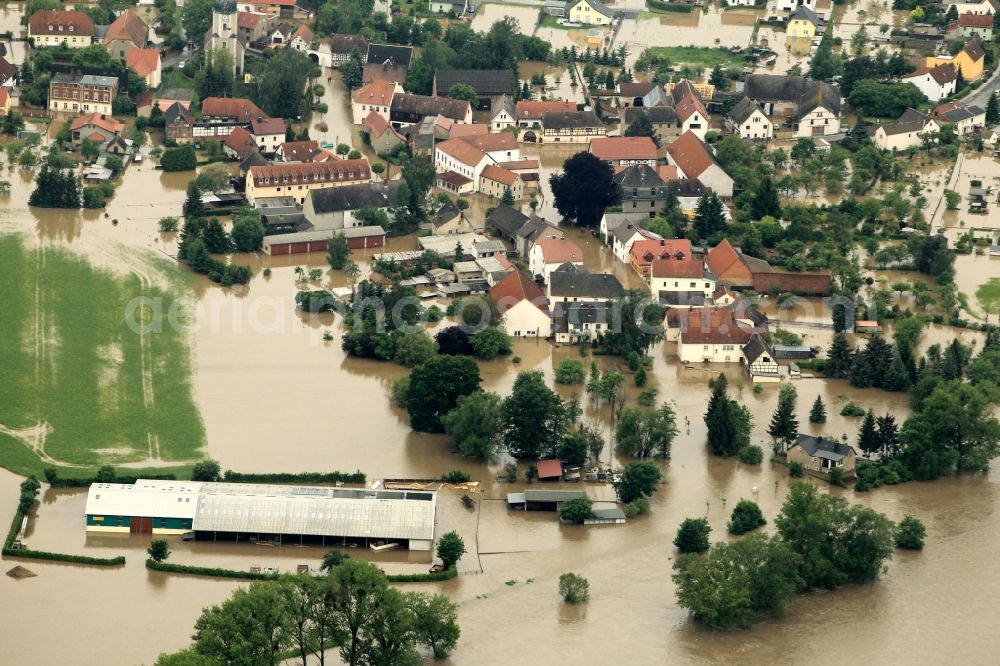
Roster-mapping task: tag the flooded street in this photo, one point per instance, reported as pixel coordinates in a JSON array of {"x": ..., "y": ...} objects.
[{"x": 274, "y": 396}]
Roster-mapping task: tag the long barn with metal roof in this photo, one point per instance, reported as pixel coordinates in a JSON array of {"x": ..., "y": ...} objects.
[{"x": 257, "y": 512}]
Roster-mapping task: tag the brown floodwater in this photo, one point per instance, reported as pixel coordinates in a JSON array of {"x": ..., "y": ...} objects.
[{"x": 275, "y": 396}]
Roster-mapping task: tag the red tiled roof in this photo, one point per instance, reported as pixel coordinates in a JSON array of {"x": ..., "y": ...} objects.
[
  {"x": 239, "y": 109},
  {"x": 615, "y": 148},
  {"x": 48, "y": 22},
  {"x": 647, "y": 251},
  {"x": 942, "y": 74},
  {"x": 304, "y": 32},
  {"x": 129, "y": 28},
  {"x": 712, "y": 326},
  {"x": 687, "y": 105},
  {"x": 515, "y": 288},
  {"x": 519, "y": 164},
  {"x": 549, "y": 469},
  {"x": 319, "y": 172},
  {"x": 4, "y": 97},
  {"x": 527, "y": 110},
  {"x": 106, "y": 123},
  {"x": 667, "y": 172},
  {"x": 238, "y": 139},
  {"x": 673, "y": 268},
  {"x": 723, "y": 260},
  {"x": 376, "y": 125},
  {"x": 265, "y": 125},
  {"x": 690, "y": 154},
  {"x": 299, "y": 151},
  {"x": 142, "y": 61},
  {"x": 495, "y": 173},
  {"x": 970, "y": 20},
  {"x": 248, "y": 20},
  {"x": 559, "y": 250},
  {"x": 378, "y": 92}
]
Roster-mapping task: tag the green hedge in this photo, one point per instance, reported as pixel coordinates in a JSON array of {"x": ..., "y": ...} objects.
[
  {"x": 15, "y": 527},
  {"x": 669, "y": 7},
  {"x": 246, "y": 575},
  {"x": 424, "y": 577},
  {"x": 303, "y": 477},
  {"x": 207, "y": 571},
  {"x": 86, "y": 483}
]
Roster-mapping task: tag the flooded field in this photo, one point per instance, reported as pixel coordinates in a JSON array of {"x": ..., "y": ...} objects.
[{"x": 275, "y": 397}]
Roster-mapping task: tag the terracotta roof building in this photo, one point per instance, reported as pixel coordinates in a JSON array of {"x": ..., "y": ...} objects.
[
  {"x": 296, "y": 180},
  {"x": 528, "y": 113},
  {"x": 239, "y": 144},
  {"x": 145, "y": 63},
  {"x": 52, "y": 28},
  {"x": 624, "y": 150},
  {"x": 230, "y": 108},
  {"x": 695, "y": 160},
  {"x": 523, "y": 306},
  {"x": 128, "y": 31}
]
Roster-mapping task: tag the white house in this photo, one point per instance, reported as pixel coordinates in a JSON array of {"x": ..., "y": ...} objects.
[
  {"x": 904, "y": 132},
  {"x": 759, "y": 361},
  {"x": 692, "y": 116},
  {"x": 373, "y": 96},
  {"x": 502, "y": 113},
  {"x": 625, "y": 236},
  {"x": 710, "y": 335},
  {"x": 681, "y": 276},
  {"x": 973, "y": 7},
  {"x": 467, "y": 156},
  {"x": 934, "y": 82},
  {"x": 572, "y": 322},
  {"x": 819, "y": 110},
  {"x": 548, "y": 254},
  {"x": 749, "y": 121},
  {"x": 792, "y": 5},
  {"x": 523, "y": 306},
  {"x": 694, "y": 160},
  {"x": 611, "y": 221}
]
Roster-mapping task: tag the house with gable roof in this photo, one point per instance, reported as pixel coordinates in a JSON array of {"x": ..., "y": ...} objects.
[
  {"x": 590, "y": 12},
  {"x": 695, "y": 160},
  {"x": 523, "y": 306},
  {"x": 733, "y": 268},
  {"x": 820, "y": 454},
  {"x": 819, "y": 110},
  {"x": 550, "y": 252},
  {"x": 748, "y": 120},
  {"x": 125, "y": 33},
  {"x": 970, "y": 60},
  {"x": 935, "y": 83}
]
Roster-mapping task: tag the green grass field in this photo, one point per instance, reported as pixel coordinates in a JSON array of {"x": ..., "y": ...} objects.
[
  {"x": 698, "y": 56},
  {"x": 69, "y": 362},
  {"x": 988, "y": 295}
]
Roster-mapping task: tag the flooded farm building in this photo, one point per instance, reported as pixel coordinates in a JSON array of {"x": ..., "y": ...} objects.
[{"x": 254, "y": 512}]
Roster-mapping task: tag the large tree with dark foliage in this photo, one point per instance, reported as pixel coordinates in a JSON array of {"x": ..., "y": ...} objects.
[
  {"x": 636, "y": 324},
  {"x": 584, "y": 189},
  {"x": 885, "y": 100},
  {"x": 710, "y": 216},
  {"x": 641, "y": 126},
  {"x": 534, "y": 417},
  {"x": 278, "y": 85},
  {"x": 435, "y": 388},
  {"x": 729, "y": 423},
  {"x": 932, "y": 257},
  {"x": 766, "y": 200},
  {"x": 55, "y": 188}
]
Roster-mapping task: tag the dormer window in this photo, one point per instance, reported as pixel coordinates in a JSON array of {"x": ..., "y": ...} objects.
[
  {"x": 71, "y": 28},
  {"x": 60, "y": 28}
]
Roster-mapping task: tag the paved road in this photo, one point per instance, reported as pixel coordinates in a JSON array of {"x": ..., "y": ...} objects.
[{"x": 982, "y": 94}]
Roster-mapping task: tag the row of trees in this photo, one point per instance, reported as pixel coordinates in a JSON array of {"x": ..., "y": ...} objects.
[
  {"x": 822, "y": 542},
  {"x": 352, "y": 609},
  {"x": 202, "y": 237},
  {"x": 55, "y": 186}
]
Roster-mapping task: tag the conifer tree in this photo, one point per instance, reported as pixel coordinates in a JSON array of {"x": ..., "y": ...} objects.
[
  {"x": 868, "y": 439},
  {"x": 508, "y": 196},
  {"x": 818, "y": 412},
  {"x": 839, "y": 358},
  {"x": 888, "y": 435},
  {"x": 784, "y": 426}
]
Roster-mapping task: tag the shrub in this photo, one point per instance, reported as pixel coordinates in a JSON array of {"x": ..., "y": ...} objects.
[
  {"x": 910, "y": 534},
  {"x": 399, "y": 389},
  {"x": 450, "y": 548},
  {"x": 868, "y": 476},
  {"x": 574, "y": 588},
  {"x": 169, "y": 224},
  {"x": 179, "y": 159},
  {"x": 835, "y": 477},
  {"x": 576, "y": 510},
  {"x": 333, "y": 559},
  {"x": 158, "y": 550},
  {"x": 852, "y": 409},
  {"x": 746, "y": 516},
  {"x": 569, "y": 371},
  {"x": 636, "y": 507},
  {"x": 647, "y": 398},
  {"x": 751, "y": 455},
  {"x": 692, "y": 536},
  {"x": 758, "y": 389},
  {"x": 206, "y": 470},
  {"x": 795, "y": 469},
  {"x": 455, "y": 476}
]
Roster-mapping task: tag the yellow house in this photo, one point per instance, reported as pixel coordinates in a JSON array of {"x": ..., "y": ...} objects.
[
  {"x": 590, "y": 12},
  {"x": 969, "y": 60},
  {"x": 802, "y": 23}
]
